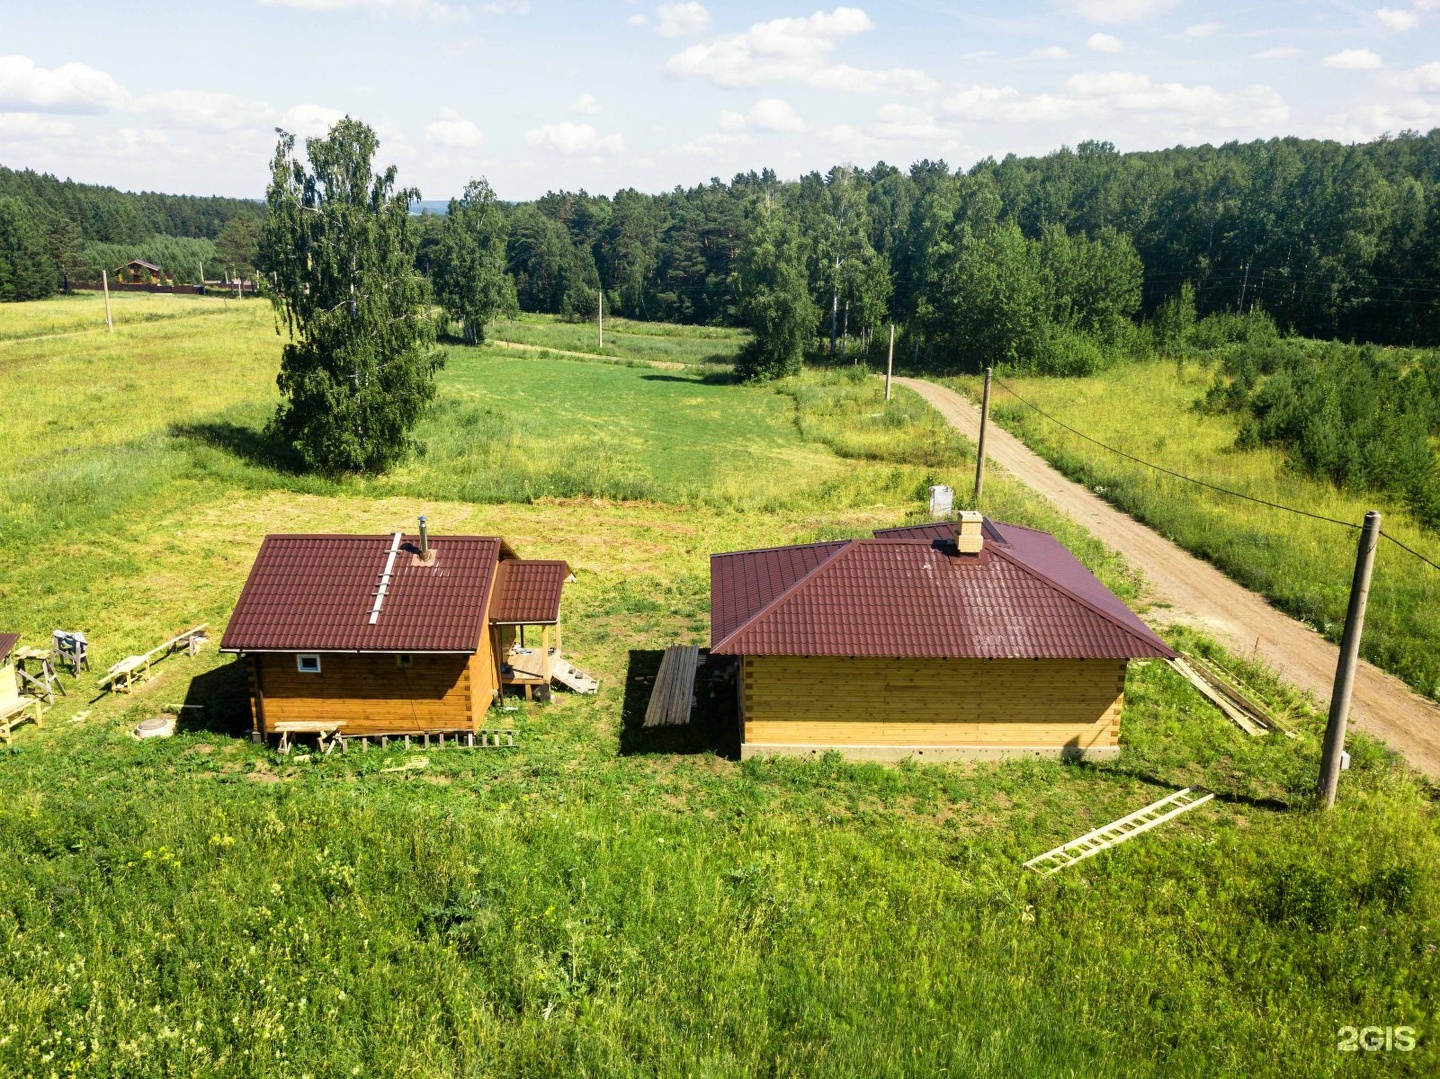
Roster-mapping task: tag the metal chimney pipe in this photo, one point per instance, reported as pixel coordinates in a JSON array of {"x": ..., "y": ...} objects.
[{"x": 424, "y": 538}]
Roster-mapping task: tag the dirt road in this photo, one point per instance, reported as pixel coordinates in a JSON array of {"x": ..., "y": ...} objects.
[{"x": 1201, "y": 595}]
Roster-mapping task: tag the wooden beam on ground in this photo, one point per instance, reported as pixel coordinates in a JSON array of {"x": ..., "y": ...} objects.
[{"x": 674, "y": 690}]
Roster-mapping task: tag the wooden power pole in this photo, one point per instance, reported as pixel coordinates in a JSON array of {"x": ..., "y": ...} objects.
[
  {"x": 980, "y": 446},
  {"x": 105, "y": 284},
  {"x": 890, "y": 362},
  {"x": 1349, "y": 657},
  {"x": 600, "y": 320}
]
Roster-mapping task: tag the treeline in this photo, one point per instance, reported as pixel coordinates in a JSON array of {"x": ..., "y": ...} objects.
[
  {"x": 1041, "y": 261},
  {"x": 58, "y": 233}
]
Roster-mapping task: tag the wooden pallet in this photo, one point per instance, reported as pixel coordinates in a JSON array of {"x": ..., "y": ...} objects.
[
  {"x": 674, "y": 693},
  {"x": 1117, "y": 832}
]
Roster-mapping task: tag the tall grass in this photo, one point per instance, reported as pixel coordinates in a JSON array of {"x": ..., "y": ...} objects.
[
  {"x": 604, "y": 900},
  {"x": 1302, "y": 565}
]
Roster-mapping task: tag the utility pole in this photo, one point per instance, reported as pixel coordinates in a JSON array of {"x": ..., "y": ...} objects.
[
  {"x": 1240, "y": 310},
  {"x": 1349, "y": 657},
  {"x": 105, "y": 284},
  {"x": 890, "y": 362},
  {"x": 601, "y": 318},
  {"x": 980, "y": 446},
  {"x": 834, "y": 309}
]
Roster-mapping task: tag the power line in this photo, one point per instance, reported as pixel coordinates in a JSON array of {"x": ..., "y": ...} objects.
[{"x": 1205, "y": 483}]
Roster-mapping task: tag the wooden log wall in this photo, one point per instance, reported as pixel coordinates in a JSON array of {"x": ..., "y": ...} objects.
[
  {"x": 372, "y": 694},
  {"x": 1020, "y": 704}
]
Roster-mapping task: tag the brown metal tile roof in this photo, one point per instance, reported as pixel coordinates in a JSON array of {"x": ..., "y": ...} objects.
[
  {"x": 527, "y": 591},
  {"x": 316, "y": 592},
  {"x": 8, "y": 641},
  {"x": 913, "y": 598},
  {"x": 742, "y": 582}
]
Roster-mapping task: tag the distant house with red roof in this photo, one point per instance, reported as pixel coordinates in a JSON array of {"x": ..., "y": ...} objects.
[
  {"x": 393, "y": 635},
  {"x": 968, "y": 639}
]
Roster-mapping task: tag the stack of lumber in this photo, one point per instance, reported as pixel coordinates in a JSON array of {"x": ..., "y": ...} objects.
[
  {"x": 674, "y": 692},
  {"x": 1252, "y": 718}
]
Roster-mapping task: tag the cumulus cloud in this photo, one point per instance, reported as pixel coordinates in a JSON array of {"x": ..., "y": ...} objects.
[
  {"x": 714, "y": 144},
  {"x": 637, "y": 20},
  {"x": 1280, "y": 52},
  {"x": 772, "y": 114},
  {"x": 681, "y": 20},
  {"x": 1051, "y": 52},
  {"x": 571, "y": 139},
  {"x": 1104, "y": 43},
  {"x": 1109, "y": 96},
  {"x": 1353, "y": 60},
  {"x": 310, "y": 121},
  {"x": 1397, "y": 19},
  {"x": 27, "y": 126},
  {"x": 794, "y": 50},
  {"x": 1425, "y": 79},
  {"x": 69, "y": 88},
  {"x": 453, "y": 131},
  {"x": 1118, "y": 11},
  {"x": 586, "y": 105}
]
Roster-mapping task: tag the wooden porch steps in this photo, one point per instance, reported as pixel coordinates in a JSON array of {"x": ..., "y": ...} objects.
[
  {"x": 573, "y": 677},
  {"x": 1117, "y": 832}
]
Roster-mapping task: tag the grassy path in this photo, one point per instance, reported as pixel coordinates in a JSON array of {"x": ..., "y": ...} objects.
[{"x": 1198, "y": 593}]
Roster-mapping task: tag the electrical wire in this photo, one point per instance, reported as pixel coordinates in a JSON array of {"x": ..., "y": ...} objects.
[{"x": 1204, "y": 483}]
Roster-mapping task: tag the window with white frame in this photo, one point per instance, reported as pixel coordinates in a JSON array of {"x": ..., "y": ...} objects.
[{"x": 307, "y": 664}]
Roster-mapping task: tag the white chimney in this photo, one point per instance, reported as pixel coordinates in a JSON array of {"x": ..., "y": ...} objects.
[{"x": 968, "y": 537}]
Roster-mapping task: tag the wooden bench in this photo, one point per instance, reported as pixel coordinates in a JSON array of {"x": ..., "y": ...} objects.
[
  {"x": 326, "y": 732},
  {"x": 122, "y": 676},
  {"x": 17, "y": 712}
]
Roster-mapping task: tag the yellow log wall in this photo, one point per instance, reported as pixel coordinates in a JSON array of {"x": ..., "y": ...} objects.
[
  {"x": 1046, "y": 706},
  {"x": 370, "y": 694}
]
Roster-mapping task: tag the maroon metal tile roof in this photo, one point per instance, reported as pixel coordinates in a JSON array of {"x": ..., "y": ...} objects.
[
  {"x": 316, "y": 592},
  {"x": 1044, "y": 554},
  {"x": 8, "y": 641},
  {"x": 742, "y": 582},
  {"x": 527, "y": 591},
  {"x": 913, "y": 598}
]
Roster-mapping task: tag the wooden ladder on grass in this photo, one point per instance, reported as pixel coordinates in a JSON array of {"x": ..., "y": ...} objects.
[{"x": 1117, "y": 832}]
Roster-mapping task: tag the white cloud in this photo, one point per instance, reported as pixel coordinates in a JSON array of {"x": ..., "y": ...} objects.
[
  {"x": 453, "y": 130},
  {"x": 1051, "y": 52},
  {"x": 1118, "y": 11},
  {"x": 31, "y": 125},
  {"x": 1367, "y": 122},
  {"x": 772, "y": 114},
  {"x": 1104, "y": 43},
  {"x": 70, "y": 88},
  {"x": 1397, "y": 19},
  {"x": 681, "y": 20},
  {"x": 636, "y": 20},
  {"x": 1202, "y": 29},
  {"x": 1353, "y": 60},
  {"x": 586, "y": 105},
  {"x": 410, "y": 9},
  {"x": 907, "y": 123},
  {"x": 307, "y": 121},
  {"x": 794, "y": 50},
  {"x": 1110, "y": 96},
  {"x": 573, "y": 139},
  {"x": 1280, "y": 52},
  {"x": 203, "y": 110},
  {"x": 1425, "y": 79},
  {"x": 730, "y": 120}
]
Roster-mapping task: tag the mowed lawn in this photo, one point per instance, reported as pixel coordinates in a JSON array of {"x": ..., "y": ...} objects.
[
  {"x": 1302, "y": 565},
  {"x": 601, "y": 900}
]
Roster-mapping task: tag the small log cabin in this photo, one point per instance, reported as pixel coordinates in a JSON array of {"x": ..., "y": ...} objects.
[
  {"x": 392, "y": 635},
  {"x": 968, "y": 639},
  {"x": 139, "y": 272}
]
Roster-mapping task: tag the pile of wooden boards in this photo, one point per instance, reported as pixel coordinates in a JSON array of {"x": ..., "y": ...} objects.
[
  {"x": 674, "y": 693},
  {"x": 1220, "y": 691}
]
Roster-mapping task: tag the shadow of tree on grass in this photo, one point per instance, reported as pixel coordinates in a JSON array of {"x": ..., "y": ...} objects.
[{"x": 256, "y": 447}]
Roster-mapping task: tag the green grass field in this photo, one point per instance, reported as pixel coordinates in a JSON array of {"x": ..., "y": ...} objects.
[
  {"x": 1302, "y": 565},
  {"x": 626, "y": 339},
  {"x": 603, "y": 900}
]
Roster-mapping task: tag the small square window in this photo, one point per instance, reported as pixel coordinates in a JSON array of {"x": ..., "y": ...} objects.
[
  {"x": 403, "y": 659},
  {"x": 308, "y": 664}
]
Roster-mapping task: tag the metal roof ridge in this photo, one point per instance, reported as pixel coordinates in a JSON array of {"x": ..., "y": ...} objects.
[
  {"x": 781, "y": 547},
  {"x": 795, "y": 586},
  {"x": 1050, "y": 582}
]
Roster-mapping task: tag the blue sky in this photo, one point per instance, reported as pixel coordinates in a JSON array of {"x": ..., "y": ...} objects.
[{"x": 542, "y": 95}]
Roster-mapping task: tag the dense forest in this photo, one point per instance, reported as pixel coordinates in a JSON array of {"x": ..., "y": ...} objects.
[{"x": 1042, "y": 262}]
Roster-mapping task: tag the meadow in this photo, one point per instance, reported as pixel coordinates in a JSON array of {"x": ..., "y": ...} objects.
[
  {"x": 602, "y": 900},
  {"x": 1301, "y": 565}
]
